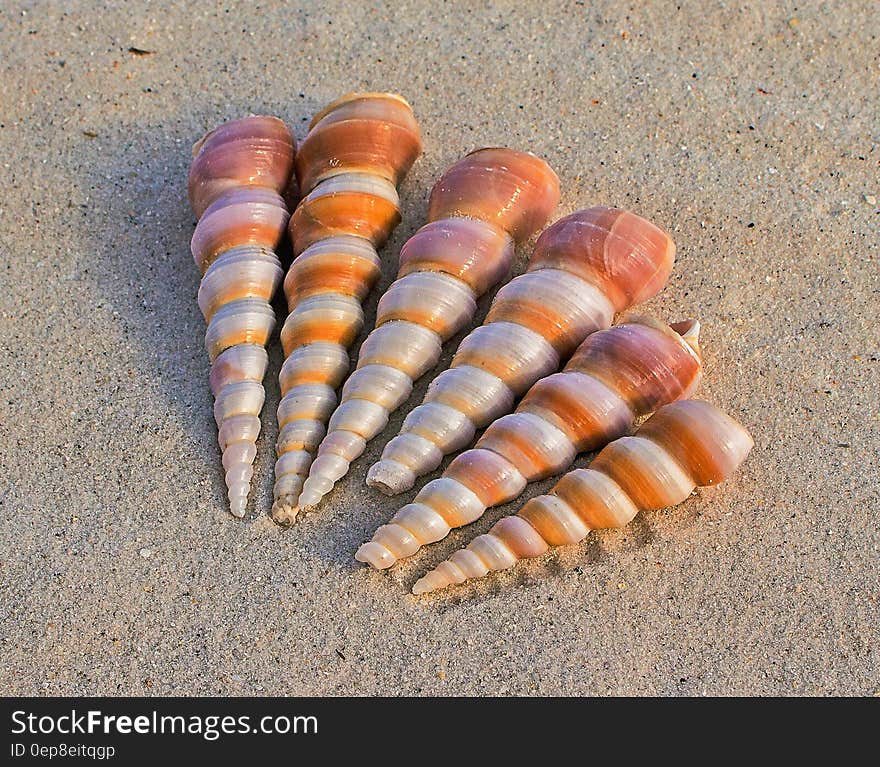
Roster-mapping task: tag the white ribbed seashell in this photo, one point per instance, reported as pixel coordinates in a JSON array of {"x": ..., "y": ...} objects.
[
  {"x": 584, "y": 268},
  {"x": 236, "y": 382},
  {"x": 236, "y": 179}
]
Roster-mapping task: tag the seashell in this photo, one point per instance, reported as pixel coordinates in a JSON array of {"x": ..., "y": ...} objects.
[
  {"x": 237, "y": 175},
  {"x": 585, "y": 267},
  {"x": 478, "y": 210},
  {"x": 356, "y": 152},
  {"x": 250, "y": 152},
  {"x": 683, "y": 445},
  {"x": 614, "y": 377}
]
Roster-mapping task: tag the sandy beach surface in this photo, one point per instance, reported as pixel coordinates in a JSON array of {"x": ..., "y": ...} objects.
[{"x": 747, "y": 130}]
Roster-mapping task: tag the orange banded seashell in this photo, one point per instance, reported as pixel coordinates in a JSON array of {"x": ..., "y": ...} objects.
[
  {"x": 238, "y": 174},
  {"x": 614, "y": 377},
  {"x": 358, "y": 149},
  {"x": 683, "y": 445}
]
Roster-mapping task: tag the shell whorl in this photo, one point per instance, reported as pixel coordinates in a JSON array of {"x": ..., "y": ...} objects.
[
  {"x": 249, "y": 152},
  {"x": 584, "y": 267},
  {"x": 684, "y": 445},
  {"x": 479, "y": 209},
  {"x": 515, "y": 191},
  {"x": 372, "y": 133},
  {"x": 616, "y": 376},
  {"x": 356, "y": 152},
  {"x": 238, "y": 173}
]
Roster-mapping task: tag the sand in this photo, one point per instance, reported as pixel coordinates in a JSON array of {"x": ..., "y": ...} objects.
[{"x": 748, "y": 131}]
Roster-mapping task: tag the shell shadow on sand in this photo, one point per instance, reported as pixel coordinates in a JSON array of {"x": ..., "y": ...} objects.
[
  {"x": 590, "y": 555},
  {"x": 144, "y": 272}
]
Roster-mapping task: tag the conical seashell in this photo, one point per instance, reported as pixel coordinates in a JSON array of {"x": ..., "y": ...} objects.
[
  {"x": 479, "y": 209},
  {"x": 237, "y": 175},
  {"x": 356, "y": 152},
  {"x": 614, "y": 377},
  {"x": 584, "y": 268},
  {"x": 684, "y": 445}
]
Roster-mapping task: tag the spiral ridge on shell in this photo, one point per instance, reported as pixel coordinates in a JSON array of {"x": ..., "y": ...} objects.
[
  {"x": 614, "y": 377},
  {"x": 585, "y": 267},
  {"x": 479, "y": 209},
  {"x": 684, "y": 445},
  {"x": 238, "y": 174},
  {"x": 358, "y": 149}
]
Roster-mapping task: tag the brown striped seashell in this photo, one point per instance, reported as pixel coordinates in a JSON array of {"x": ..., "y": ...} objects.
[
  {"x": 479, "y": 209},
  {"x": 615, "y": 377},
  {"x": 683, "y": 445},
  {"x": 356, "y": 152},
  {"x": 585, "y": 267},
  {"x": 237, "y": 175}
]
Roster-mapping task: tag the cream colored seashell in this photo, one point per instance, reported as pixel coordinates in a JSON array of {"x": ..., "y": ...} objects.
[
  {"x": 683, "y": 445},
  {"x": 358, "y": 149},
  {"x": 444, "y": 268},
  {"x": 237, "y": 175},
  {"x": 585, "y": 267},
  {"x": 614, "y": 377}
]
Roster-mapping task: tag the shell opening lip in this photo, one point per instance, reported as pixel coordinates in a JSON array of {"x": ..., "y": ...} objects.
[
  {"x": 524, "y": 153},
  {"x": 689, "y": 330},
  {"x": 502, "y": 149}
]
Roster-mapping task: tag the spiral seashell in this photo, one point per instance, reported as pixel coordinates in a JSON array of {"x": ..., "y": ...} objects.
[
  {"x": 683, "y": 445},
  {"x": 356, "y": 152},
  {"x": 585, "y": 267},
  {"x": 614, "y": 377},
  {"x": 237, "y": 175},
  {"x": 478, "y": 210}
]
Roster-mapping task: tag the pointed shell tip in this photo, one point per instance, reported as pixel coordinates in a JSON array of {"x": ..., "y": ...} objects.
[
  {"x": 375, "y": 555},
  {"x": 284, "y": 511}
]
